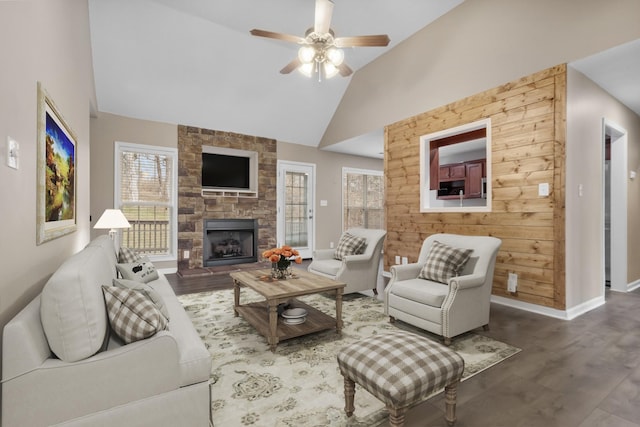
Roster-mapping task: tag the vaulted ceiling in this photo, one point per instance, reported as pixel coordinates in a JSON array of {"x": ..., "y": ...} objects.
[{"x": 194, "y": 62}]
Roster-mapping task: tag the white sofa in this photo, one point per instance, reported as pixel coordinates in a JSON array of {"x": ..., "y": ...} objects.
[{"x": 159, "y": 381}]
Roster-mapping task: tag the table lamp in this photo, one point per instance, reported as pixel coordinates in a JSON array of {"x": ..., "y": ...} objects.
[{"x": 112, "y": 219}]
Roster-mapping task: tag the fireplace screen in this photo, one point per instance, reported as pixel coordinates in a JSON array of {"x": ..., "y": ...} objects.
[{"x": 229, "y": 242}]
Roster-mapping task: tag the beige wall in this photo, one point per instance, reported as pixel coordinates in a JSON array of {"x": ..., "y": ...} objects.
[
  {"x": 106, "y": 129},
  {"x": 587, "y": 105},
  {"x": 477, "y": 46},
  {"x": 49, "y": 42},
  {"x": 328, "y": 184}
]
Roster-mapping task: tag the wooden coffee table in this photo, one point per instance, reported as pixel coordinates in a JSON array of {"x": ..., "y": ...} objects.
[{"x": 263, "y": 315}]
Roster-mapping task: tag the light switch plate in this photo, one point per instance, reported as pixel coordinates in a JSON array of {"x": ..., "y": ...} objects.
[
  {"x": 323, "y": 203},
  {"x": 12, "y": 152},
  {"x": 543, "y": 189}
]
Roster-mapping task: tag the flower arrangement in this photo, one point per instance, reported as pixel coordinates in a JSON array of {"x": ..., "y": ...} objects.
[{"x": 281, "y": 260}]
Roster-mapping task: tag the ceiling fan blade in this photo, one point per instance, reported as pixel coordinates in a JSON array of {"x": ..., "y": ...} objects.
[
  {"x": 277, "y": 36},
  {"x": 324, "y": 10},
  {"x": 344, "y": 70},
  {"x": 375, "y": 40},
  {"x": 291, "y": 66}
]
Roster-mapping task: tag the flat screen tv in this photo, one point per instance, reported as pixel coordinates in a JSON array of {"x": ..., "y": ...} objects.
[{"x": 226, "y": 171}]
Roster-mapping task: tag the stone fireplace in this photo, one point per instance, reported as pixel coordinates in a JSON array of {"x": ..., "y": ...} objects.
[
  {"x": 229, "y": 241},
  {"x": 196, "y": 208}
]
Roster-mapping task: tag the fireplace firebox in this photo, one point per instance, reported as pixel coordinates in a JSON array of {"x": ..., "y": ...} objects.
[{"x": 230, "y": 241}]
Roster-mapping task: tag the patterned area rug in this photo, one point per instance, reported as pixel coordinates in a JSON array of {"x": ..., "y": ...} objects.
[{"x": 300, "y": 385}]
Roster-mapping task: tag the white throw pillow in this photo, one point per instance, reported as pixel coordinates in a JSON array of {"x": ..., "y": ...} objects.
[
  {"x": 141, "y": 271},
  {"x": 72, "y": 308}
]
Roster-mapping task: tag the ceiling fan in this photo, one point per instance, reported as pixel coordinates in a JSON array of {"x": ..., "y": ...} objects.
[{"x": 320, "y": 50}]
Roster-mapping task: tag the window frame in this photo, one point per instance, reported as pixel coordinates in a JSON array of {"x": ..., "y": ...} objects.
[
  {"x": 119, "y": 147},
  {"x": 359, "y": 171}
]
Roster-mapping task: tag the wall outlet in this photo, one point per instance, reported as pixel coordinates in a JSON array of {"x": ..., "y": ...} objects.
[
  {"x": 397, "y": 259},
  {"x": 330, "y": 245},
  {"x": 405, "y": 260},
  {"x": 186, "y": 254},
  {"x": 512, "y": 282}
]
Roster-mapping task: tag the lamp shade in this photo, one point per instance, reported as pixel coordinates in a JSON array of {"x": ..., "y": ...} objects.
[{"x": 112, "y": 219}]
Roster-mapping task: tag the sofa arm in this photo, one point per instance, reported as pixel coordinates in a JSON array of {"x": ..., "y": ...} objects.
[
  {"x": 468, "y": 281},
  {"x": 405, "y": 271},
  {"x": 58, "y": 390},
  {"x": 323, "y": 253}
]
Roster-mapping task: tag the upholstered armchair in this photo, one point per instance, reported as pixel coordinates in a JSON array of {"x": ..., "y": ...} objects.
[
  {"x": 355, "y": 261},
  {"x": 448, "y": 291}
]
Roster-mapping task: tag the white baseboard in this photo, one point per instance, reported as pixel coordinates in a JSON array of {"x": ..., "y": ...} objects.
[
  {"x": 569, "y": 314},
  {"x": 168, "y": 270},
  {"x": 633, "y": 286}
]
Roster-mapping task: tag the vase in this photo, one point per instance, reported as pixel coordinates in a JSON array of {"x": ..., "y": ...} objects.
[{"x": 279, "y": 273}]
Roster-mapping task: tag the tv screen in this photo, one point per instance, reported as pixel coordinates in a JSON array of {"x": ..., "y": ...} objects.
[{"x": 222, "y": 171}]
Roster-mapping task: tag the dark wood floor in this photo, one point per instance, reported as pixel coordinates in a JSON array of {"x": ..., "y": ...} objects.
[{"x": 583, "y": 373}]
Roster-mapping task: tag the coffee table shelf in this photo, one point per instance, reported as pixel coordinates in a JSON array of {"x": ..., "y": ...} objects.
[
  {"x": 263, "y": 315},
  {"x": 257, "y": 314}
]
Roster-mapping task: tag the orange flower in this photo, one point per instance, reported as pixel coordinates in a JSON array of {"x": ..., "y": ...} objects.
[
  {"x": 295, "y": 252},
  {"x": 274, "y": 258},
  {"x": 267, "y": 254},
  {"x": 277, "y": 251},
  {"x": 298, "y": 260},
  {"x": 286, "y": 253},
  {"x": 286, "y": 248}
]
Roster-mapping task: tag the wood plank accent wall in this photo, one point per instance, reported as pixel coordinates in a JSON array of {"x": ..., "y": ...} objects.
[{"x": 528, "y": 120}]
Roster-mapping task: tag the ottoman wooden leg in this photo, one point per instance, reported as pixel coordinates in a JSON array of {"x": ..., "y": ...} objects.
[
  {"x": 396, "y": 416},
  {"x": 450, "y": 397},
  {"x": 349, "y": 393}
]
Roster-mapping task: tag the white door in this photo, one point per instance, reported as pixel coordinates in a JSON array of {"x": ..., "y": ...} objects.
[{"x": 296, "y": 226}]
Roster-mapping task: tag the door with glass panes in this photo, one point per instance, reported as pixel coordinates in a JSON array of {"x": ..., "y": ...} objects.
[{"x": 295, "y": 206}]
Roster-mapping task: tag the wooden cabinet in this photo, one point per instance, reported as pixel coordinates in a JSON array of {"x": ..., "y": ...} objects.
[
  {"x": 456, "y": 171},
  {"x": 465, "y": 176}
]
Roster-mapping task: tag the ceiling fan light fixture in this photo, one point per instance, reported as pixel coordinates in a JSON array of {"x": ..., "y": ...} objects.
[
  {"x": 335, "y": 56},
  {"x": 306, "y": 69},
  {"x": 306, "y": 54},
  {"x": 330, "y": 70}
]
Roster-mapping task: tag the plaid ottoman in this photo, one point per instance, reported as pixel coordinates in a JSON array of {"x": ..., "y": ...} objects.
[{"x": 400, "y": 369}]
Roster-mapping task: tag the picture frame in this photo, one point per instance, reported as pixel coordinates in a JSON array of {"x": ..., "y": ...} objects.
[{"x": 56, "y": 172}]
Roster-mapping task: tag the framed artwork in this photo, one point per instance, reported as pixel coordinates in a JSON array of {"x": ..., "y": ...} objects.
[{"x": 56, "y": 169}]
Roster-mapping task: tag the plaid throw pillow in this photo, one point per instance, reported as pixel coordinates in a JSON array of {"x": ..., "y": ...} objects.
[
  {"x": 146, "y": 290},
  {"x": 444, "y": 262},
  {"x": 349, "y": 245},
  {"x": 132, "y": 316},
  {"x": 127, "y": 255}
]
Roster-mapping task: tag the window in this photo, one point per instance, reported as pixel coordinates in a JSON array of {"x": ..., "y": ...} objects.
[
  {"x": 455, "y": 169},
  {"x": 362, "y": 198},
  {"x": 145, "y": 191}
]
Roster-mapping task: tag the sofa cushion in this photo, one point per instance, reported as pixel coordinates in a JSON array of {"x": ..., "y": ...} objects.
[
  {"x": 132, "y": 315},
  {"x": 444, "y": 262},
  {"x": 127, "y": 255},
  {"x": 72, "y": 309},
  {"x": 421, "y": 291},
  {"x": 329, "y": 267},
  {"x": 142, "y": 271},
  {"x": 349, "y": 245},
  {"x": 146, "y": 290}
]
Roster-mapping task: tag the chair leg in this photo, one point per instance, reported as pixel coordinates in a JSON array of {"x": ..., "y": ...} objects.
[
  {"x": 396, "y": 416},
  {"x": 375, "y": 291},
  {"x": 349, "y": 393},
  {"x": 392, "y": 319},
  {"x": 450, "y": 397},
  {"x": 485, "y": 327},
  {"x": 447, "y": 341}
]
